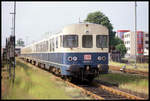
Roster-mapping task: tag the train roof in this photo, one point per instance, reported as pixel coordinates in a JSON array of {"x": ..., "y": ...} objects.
[
  {"x": 78, "y": 28},
  {"x": 85, "y": 28}
]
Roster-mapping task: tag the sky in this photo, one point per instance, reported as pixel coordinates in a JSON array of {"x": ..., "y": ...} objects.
[{"x": 34, "y": 19}]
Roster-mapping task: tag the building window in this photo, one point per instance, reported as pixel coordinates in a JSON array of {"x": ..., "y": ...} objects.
[
  {"x": 125, "y": 36},
  {"x": 139, "y": 41},
  {"x": 146, "y": 42},
  {"x": 147, "y": 35}
]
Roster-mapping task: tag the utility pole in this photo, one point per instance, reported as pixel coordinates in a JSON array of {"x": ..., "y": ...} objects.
[
  {"x": 135, "y": 35},
  {"x": 13, "y": 34},
  {"x": 14, "y": 37}
]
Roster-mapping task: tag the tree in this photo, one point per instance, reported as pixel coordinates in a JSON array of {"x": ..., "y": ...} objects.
[
  {"x": 115, "y": 41},
  {"x": 20, "y": 42},
  {"x": 99, "y": 18},
  {"x": 122, "y": 49}
]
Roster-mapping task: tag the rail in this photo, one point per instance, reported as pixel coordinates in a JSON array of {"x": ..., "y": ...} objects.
[{"x": 129, "y": 70}]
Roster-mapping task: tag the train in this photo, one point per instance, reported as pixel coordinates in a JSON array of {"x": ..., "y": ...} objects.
[{"x": 79, "y": 51}]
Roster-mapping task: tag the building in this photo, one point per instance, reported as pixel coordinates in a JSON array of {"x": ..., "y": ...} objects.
[
  {"x": 146, "y": 44},
  {"x": 141, "y": 40},
  {"x": 120, "y": 33},
  {"x": 17, "y": 51}
]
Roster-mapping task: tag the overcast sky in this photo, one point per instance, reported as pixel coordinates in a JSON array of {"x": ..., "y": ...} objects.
[{"x": 34, "y": 19}]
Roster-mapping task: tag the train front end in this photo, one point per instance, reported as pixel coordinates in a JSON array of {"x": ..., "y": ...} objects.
[
  {"x": 85, "y": 50},
  {"x": 86, "y": 65}
]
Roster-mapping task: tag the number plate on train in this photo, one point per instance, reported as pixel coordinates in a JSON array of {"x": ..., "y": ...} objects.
[{"x": 87, "y": 57}]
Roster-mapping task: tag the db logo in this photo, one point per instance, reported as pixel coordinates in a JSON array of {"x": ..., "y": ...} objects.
[{"x": 87, "y": 57}]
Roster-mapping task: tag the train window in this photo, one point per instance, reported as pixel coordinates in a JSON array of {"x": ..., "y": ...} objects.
[
  {"x": 53, "y": 44},
  {"x": 46, "y": 45},
  {"x": 87, "y": 41},
  {"x": 50, "y": 44},
  {"x": 70, "y": 41},
  {"x": 40, "y": 47},
  {"x": 101, "y": 41},
  {"x": 36, "y": 48},
  {"x": 56, "y": 42},
  {"x": 61, "y": 41},
  {"x": 43, "y": 46}
]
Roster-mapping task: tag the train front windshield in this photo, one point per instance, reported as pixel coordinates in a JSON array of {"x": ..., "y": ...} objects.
[
  {"x": 70, "y": 41},
  {"x": 87, "y": 41},
  {"x": 102, "y": 41}
]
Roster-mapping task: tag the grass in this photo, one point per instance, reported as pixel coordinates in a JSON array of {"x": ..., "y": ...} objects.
[
  {"x": 127, "y": 81},
  {"x": 140, "y": 66},
  {"x": 33, "y": 83}
]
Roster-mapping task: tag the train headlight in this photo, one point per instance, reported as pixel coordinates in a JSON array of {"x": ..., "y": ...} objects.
[
  {"x": 87, "y": 68},
  {"x": 75, "y": 58},
  {"x": 69, "y": 58},
  {"x": 103, "y": 58},
  {"x": 99, "y": 58}
]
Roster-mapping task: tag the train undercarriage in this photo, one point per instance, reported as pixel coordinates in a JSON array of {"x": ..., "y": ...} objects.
[{"x": 85, "y": 73}]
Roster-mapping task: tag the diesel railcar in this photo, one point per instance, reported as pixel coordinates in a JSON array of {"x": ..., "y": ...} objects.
[{"x": 78, "y": 51}]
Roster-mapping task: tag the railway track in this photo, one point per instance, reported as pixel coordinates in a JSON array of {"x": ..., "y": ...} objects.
[
  {"x": 106, "y": 95},
  {"x": 107, "y": 92},
  {"x": 101, "y": 92},
  {"x": 115, "y": 68}
]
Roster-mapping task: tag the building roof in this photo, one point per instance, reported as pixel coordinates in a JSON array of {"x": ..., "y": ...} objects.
[{"x": 123, "y": 30}]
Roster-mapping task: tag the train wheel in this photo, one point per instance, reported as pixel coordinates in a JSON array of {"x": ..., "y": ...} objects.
[
  {"x": 57, "y": 71},
  {"x": 53, "y": 70},
  {"x": 42, "y": 66},
  {"x": 50, "y": 68},
  {"x": 31, "y": 61},
  {"x": 34, "y": 63},
  {"x": 39, "y": 65}
]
